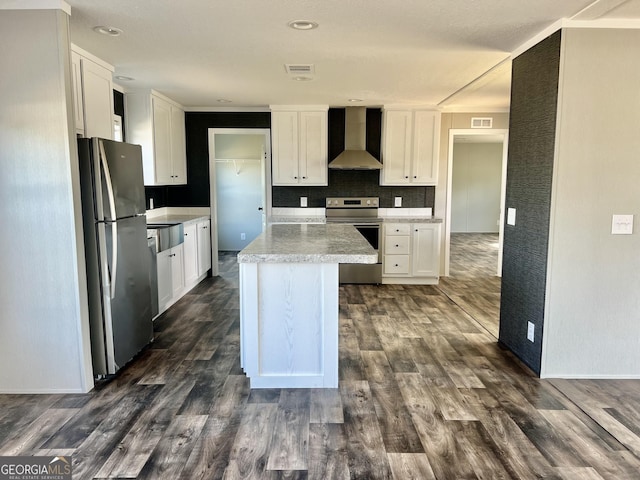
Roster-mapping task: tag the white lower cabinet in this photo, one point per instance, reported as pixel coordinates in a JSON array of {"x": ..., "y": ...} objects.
[
  {"x": 191, "y": 271},
  {"x": 204, "y": 247},
  {"x": 181, "y": 268},
  {"x": 170, "y": 276},
  {"x": 411, "y": 253}
]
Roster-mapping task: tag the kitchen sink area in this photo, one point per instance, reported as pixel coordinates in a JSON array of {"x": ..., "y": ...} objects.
[{"x": 167, "y": 235}]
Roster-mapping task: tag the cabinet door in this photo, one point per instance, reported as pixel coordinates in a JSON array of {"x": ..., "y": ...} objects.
[
  {"x": 98, "y": 100},
  {"x": 396, "y": 156},
  {"x": 313, "y": 148},
  {"x": 426, "y": 132},
  {"x": 204, "y": 247},
  {"x": 78, "y": 102},
  {"x": 426, "y": 250},
  {"x": 162, "y": 140},
  {"x": 165, "y": 288},
  {"x": 190, "y": 254},
  {"x": 178, "y": 147},
  {"x": 177, "y": 270},
  {"x": 284, "y": 139}
]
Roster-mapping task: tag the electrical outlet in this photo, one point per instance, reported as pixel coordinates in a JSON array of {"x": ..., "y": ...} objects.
[
  {"x": 531, "y": 328},
  {"x": 511, "y": 216},
  {"x": 243, "y": 236},
  {"x": 397, "y": 202},
  {"x": 303, "y": 201}
]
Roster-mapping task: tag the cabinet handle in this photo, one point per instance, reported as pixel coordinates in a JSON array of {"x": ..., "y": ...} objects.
[
  {"x": 295, "y": 178},
  {"x": 415, "y": 176},
  {"x": 304, "y": 178},
  {"x": 397, "y": 246},
  {"x": 397, "y": 265},
  {"x": 186, "y": 234},
  {"x": 406, "y": 176}
]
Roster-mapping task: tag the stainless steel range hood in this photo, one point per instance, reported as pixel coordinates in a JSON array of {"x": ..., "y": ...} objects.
[{"x": 355, "y": 156}]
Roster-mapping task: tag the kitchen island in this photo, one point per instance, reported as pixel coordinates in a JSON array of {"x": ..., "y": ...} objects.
[{"x": 289, "y": 303}]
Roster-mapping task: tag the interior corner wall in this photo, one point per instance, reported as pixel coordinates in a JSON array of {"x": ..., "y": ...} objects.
[
  {"x": 44, "y": 344},
  {"x": 592, "y": 326},
  {"x": 532, "y": 131}
]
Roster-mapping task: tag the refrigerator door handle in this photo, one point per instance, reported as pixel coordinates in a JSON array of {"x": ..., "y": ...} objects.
[{"x": 114, "y": 225}]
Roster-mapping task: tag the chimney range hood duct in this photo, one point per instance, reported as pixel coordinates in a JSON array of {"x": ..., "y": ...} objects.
[{"x": 355, "y": 155}]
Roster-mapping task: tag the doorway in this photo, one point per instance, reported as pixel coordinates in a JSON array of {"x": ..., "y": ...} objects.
[
  {"x": 472, "y": 207},
  {"x": 240, "y": 174}
]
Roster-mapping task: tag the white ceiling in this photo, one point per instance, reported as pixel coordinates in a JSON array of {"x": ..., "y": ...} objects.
[{"x": 448, "y": 53}]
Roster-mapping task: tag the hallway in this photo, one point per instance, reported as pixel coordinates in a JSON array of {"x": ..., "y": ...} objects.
[{"x": 425, "y": 392}]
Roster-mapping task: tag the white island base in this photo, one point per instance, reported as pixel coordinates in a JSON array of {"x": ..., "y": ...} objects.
[
  {"x": 289, "y": 303},
  {"x": 289, "y": 324}
]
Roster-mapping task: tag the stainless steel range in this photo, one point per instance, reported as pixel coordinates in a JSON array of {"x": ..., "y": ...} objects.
[{"x": 362, "y": 213}]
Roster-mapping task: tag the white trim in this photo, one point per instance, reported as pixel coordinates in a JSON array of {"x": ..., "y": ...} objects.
[
  {"x": 408, "y": 106},
  {"x": 589, "y": 376},
  {"x": 615, "y": 23},
  {"x": 298, "y": 108},
  {"x": 36, "y": 5},
  {"x": 90, "y": 56},
  {"x": 551, "y": 29},
  {"x": 226, "y": 109},
  {"x": 447, "y": 222},
  {"x": 474, "y": 109}
]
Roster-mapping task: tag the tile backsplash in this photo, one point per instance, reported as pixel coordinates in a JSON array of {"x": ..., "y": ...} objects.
[{"x": 354, "y": 183}]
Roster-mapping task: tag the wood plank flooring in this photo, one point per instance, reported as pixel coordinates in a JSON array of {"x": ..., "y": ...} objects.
[{"x": 425, "y": 393}]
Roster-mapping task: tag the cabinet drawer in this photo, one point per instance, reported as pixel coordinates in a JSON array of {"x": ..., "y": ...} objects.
[
  {"x": 396, "y": 245},
  {"x": 396, "y": 264},
  {"x": 397, "y": 229}
]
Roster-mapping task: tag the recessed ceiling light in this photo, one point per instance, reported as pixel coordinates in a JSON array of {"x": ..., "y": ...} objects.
[
  {"x": 111, "y": 31},
  {"x": 355, "y": 100},
  {"x": 301, "y": 79},
  {"x": 302, "y": 25},
  {"x": 223, "y": 100},
  {"x": 124, "y": 78}
]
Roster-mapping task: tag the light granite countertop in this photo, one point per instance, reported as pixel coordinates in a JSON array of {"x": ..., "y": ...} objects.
[
  {"x": 412, "y": 220},
  {"x": 297, "y": 219},
  {"x": 176, "y": 218},
  {"x": 309, "y": 243}
]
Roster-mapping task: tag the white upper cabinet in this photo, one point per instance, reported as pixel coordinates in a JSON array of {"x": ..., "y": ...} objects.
[
  {"x": 410, "y": 147},
  {"x": 93, "y": 94},
  {"x": 299, "y": 145},
  {"x": 157, "y": 124}
]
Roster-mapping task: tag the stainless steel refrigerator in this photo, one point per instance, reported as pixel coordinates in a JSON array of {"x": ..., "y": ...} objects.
[{"x": 113, "y": 209}]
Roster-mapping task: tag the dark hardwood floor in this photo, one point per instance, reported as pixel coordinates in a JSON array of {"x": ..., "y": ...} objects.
[{"x": 425, "y": 392}]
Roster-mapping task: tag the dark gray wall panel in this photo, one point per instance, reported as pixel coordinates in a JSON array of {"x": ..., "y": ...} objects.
[{"x": 532, "y": 129}]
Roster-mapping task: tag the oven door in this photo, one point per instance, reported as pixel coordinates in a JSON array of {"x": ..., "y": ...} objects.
[{"x": 360, "y": 272}]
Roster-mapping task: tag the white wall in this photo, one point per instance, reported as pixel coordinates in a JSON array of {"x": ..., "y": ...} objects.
[
  {"x": 475, "y": 187},
  {"x": 44, "y": 341},
  {"x": 592, "y": 323}
]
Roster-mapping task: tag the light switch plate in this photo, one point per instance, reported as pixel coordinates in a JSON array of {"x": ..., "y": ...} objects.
[
  {"x": 531, "y": 329},
  {"x": 622, "y": 225},
  {"x": 397, "y": 202},
  {"x": 303, "y": 201},
  {"x": 511, "y": 216}
]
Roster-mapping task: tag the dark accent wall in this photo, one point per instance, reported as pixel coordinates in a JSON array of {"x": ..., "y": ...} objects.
[
  {"x": 532, "y": 129},
  {"x": 359, "y": 183},
  {"x": 118, "y": 109},
  {"x": 341, "y": 182},
  {"x": 196, "y": 192}
]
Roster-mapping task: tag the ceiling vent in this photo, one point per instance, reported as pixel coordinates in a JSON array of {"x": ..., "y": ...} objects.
[
  {"x": 299, "y": 68},
  {"x": 482, "y": 122}
]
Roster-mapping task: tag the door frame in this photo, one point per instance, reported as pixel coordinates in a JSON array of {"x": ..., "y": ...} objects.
[
  {"x": 212, "y": 132},
  {"x": 505, "y": 146}
]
